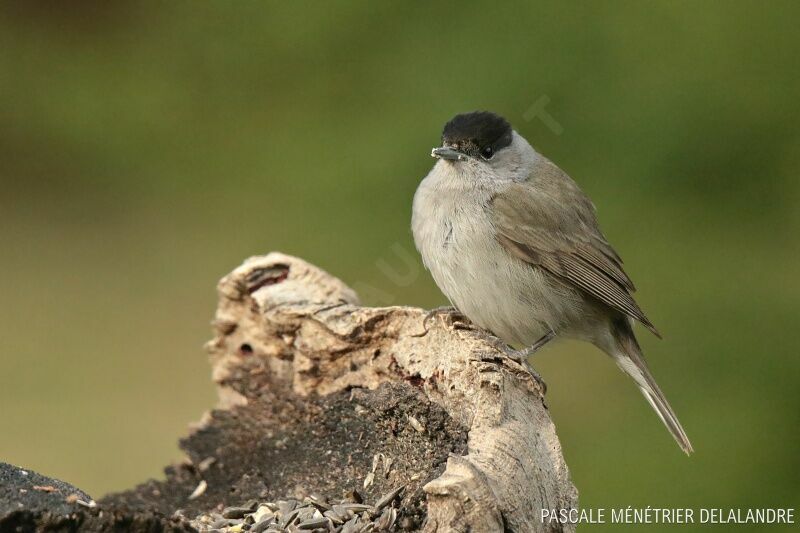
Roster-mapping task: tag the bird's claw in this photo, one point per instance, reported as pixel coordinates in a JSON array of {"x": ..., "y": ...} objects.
[
  {"x": 454, "y": 319},
  {"x": 519, "y": 356}
]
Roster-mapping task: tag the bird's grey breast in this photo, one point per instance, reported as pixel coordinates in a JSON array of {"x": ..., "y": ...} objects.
[{"x": 455, "y": 233}]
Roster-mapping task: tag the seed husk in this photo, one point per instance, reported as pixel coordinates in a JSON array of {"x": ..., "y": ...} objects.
[
  {"x": 356, "y": 507},
  {"x": 352, "y": 526},
  {"x": 387, "y": 499},
  {"x": 287, "y": 520},
  {"x": 313, "y": 523},
  {"x": 206, "y": 463},
  {"x": 334, "y": 517},
  {"x": 236, "y": 512},
  {"x": 262, "y": 513},
  {"x": 199, "y": 490},
  {"x": 416, "y": 424},
  {"x": 369, "y": 480},
  {"x": 262, "y": 525},
  {"x": 386, "y": 520}
]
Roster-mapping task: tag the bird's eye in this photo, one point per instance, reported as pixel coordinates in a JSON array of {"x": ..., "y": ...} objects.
[{"x": 487, "y": 152}]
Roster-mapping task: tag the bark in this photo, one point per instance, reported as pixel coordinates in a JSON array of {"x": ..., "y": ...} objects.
[{"x": 304, "y": 329}]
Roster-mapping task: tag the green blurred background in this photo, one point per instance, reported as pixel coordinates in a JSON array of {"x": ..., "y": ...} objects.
[{"x": 146, "y": 149}]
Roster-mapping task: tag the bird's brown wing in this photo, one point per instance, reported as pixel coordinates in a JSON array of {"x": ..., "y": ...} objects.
[{"x": 549, "y": 222}]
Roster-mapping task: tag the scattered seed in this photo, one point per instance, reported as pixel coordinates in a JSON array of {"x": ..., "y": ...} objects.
[
  {"x": 319, "y": 502},
  {"x": 206, "y": 463},
  {"x": 313, "y": 523},
  {"x": 376, "y": 459},
  {"x": 352, "y": 526},
  {"x": 235, "y": 512},
  {"x": 386, "y": 520},
  {"x": 416, "y": 424},
  {"x": 386, "y": 500},
  {"x": 262, "y": 525},
  {"x": 314, "y": 514},
  {"x": 91, "y": 504},
  {"x": 222, "y": 522},
  {"x": 357, "y": 507},
  {"x": 333, "y": 516},
  {"x": 45, "y": 488},
  {"x": 288, "y": 519},
  {"x": 368, "y": 480},
  {"x": 199, "y": 490},
  {"x": 263, "y": 513},
  {"x": 286, "y": 507}
]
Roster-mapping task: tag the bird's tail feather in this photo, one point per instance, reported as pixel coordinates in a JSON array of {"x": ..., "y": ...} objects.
[{"x": 629, "y": 358}]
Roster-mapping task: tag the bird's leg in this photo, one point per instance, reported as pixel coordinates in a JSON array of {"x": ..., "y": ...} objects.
[
  {"x": 454, "y": 318},
  {"x": 521, "y": 356},
  {"x": 536, "y": 346}
]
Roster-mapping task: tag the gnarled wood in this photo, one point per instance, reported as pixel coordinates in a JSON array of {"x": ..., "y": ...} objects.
[{"x": 286, "y": 325}]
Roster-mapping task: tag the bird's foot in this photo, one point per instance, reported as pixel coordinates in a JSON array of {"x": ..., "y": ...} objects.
[
  {"x": 520, "y": 356},
  {"x": 451, "y": 316}
]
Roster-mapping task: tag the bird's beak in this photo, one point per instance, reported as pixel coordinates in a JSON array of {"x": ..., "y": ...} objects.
[{"x": 450, "y": 154}]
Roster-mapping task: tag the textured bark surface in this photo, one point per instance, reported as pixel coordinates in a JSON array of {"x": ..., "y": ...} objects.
[
  {"x": 283, "y": 324},
  {"x": 322, "y": 398}
]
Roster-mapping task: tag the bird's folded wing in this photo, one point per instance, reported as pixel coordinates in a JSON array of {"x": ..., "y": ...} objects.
[{"x": 557, "y": 231}]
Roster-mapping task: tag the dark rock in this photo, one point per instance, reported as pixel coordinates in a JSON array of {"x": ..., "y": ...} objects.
[
  {"x": 32, "y": 502},
  {"x": 26, "y": 489}
]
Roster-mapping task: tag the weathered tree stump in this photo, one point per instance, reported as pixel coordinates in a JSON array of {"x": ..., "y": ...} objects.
[{"x": 322, "y": 400}]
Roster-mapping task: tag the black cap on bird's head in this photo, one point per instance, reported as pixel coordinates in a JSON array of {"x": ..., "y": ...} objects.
[{"x": 476, "y": 134}]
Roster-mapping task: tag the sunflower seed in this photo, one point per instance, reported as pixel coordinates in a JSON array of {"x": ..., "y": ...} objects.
[
  {"x": 376, "y": 459},
  {"x": 369, "y": 480},
  {"x": 356, "y": 507},
  {"x": 287, "y": 520},
  {"x": 319, "y": 502},
  {"x": 386, "y": 520},
  {"x": 223, "y": 522},
  {"x": 263, "y": 512},
  {"x": 199, "y": 490},
  {"x": 261, "y": 525},
  {"x": 386, "y": 500},
  {"x": 313, "y": 523},
  {"x": 334, "y": 517},
  {"x": 286, "y": 506},
  {"x": 352, "y": 526},
  {"x": 206, "y": 463},
  {"x": 416, "y": 424},
  {"x": 236, "y": 512}
]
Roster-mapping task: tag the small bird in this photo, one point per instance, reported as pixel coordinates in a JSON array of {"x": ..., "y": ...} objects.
[{"x": 514, "y": 244}]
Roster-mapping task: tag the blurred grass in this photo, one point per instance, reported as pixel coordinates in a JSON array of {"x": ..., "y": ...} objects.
[{"x": 148, "y": 148}]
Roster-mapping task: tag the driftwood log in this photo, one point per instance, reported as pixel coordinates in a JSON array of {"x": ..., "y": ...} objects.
[{"x": 323, "y": 400}]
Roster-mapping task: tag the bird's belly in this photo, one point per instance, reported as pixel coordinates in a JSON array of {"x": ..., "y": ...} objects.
[{"x": 497, "y": 291}]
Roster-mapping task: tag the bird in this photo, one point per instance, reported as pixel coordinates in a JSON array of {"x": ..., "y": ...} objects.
[{"x": 515, "y": 245}]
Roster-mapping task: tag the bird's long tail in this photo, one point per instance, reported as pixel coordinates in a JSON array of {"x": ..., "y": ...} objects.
[{"x": 629, "y": 358}]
